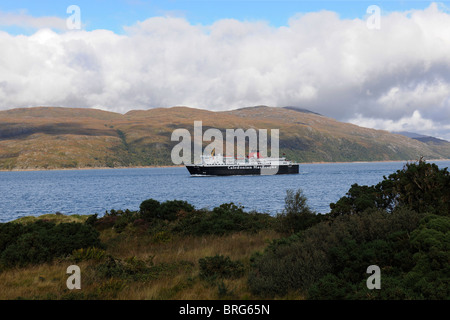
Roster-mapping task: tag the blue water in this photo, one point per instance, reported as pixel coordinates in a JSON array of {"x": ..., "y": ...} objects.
[{"x": 33, "y": 193}]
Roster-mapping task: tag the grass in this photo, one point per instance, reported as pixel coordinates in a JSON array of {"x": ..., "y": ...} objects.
[
  {"x": 54, "y": 217},
  {"x": 171, "y": 268}
]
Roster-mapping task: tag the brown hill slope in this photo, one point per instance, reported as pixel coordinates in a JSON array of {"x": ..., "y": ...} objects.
[{"x": 52, "y": 137}]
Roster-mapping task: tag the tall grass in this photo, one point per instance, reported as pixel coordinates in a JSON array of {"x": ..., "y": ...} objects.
[{"x": 48, "y": 281}]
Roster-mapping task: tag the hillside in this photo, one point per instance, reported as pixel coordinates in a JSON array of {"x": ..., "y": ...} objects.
[
  {"x": 423, "y": 138},
  {"x": 53, "y": 137}
]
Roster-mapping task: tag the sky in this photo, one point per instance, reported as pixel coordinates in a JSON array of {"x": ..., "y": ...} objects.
[{"x": 377, "y": 64}]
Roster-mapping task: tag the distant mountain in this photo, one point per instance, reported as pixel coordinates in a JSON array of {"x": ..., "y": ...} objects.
[
  {"x": 433, "y": 140},
  {"x": 411, "y": 135},
  {"x": 52, "y": 137},
  {"x": 422, "y": 138},
  {"x": 298, "y": 109}
]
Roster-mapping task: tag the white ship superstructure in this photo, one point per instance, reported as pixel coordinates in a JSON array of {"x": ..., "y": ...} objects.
[{"x": 254, "y": 164}]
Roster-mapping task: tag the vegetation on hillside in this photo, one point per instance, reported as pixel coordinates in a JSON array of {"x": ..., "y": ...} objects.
[
  {"x": 172, "y": 250},
  {"x": 401, "y": 225},
  {"x": 51, "y": 138}
]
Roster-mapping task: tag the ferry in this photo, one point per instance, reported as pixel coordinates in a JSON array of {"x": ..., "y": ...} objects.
[{"x": 254, "y": 164}]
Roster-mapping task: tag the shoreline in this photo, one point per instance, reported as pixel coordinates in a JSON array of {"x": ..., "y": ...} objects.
[
  {"x": 90, "y": 168},
  {"x": 180, "y": 166},
  {"x": 374, "y": 161}
]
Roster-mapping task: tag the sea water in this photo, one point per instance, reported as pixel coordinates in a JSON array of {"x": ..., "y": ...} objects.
[{"x": 85, "y": 192}]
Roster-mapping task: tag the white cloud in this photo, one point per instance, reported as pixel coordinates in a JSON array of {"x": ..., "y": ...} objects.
[
  {"x": 24, "y": 20},
  {"x": 412, "y": 123},
  {"x": 404, "y": 124},
  {"x": 396, "y": 76}
]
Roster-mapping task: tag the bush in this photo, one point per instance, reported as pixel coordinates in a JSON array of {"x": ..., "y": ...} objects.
[
  {"x": 222, "y": 220},
  {"x": 105, "y": 222},
  {"x": 152, "y": 209},
  {"x": 421, "y": 186},
  {"x": 42, "y": 241},
  {"x": 344, "y": 247},
  {"x": 219, "y": 266},
  {"x": 149, "y": 209},
  {"x": 169, "y": 210},
  {"x": 161, "y": 237},
  {"x": 329, "y": 287},
  {"x": 358, "y": 199},
  {"x": 414, "y": 264},
  {"x": 429, "y": 278},
  {"x": 90, "y": 253},
  {"x": 134, "y": 269},
  {"x": 92, "y": 219},
  {"x": 296, "y": 215},
  {"x": 9, "y": 233},
  {"x": 115, "y": 219},
  {"x": 131, "y": 268}
]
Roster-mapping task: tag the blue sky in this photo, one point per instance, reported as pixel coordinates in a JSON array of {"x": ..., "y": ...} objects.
[{"x": 114, "y": 15}]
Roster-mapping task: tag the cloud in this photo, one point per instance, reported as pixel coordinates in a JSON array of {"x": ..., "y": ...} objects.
[
  {"x": 24, "y": 20},
  {"x": 396, "y": 76},
  {"x": 414, "y": 123}
]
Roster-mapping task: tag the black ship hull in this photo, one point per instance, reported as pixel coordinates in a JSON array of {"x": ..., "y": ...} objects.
[{"x": 235, "y": 170}]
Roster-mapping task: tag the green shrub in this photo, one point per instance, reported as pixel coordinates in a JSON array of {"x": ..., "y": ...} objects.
[
  {"x": 329, "y": 287},
  {"x": 110, "y": 289},
  {"x": 224, "y": 292},
  {"x": 169, "y": 210},
  {"x": 161, "y": 237},
  {"x": 92, "y": 219},
  {"x": 105, "y": 222},
  {"x": 90, "y": 253},
  {"x": 219, "y": 266},
  {"x": 429, "y": 278},
  {"x": 131, "y": 268},
  {"x": 9, "y": 233},
  {"x": 344, "y": 246},
  {"x": 114, "y": 219},
  {"x": 42, "y": 241},
  {"x": 296, "y": 215},
  {"x": 358, "y": 199},
  {"x": 149, "y": 209},
  {"x": 421, "y": 186},
  {"x": 222, "y": 220},
  {"x": 134, "y": 269}
]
